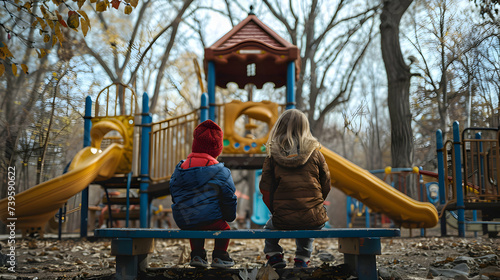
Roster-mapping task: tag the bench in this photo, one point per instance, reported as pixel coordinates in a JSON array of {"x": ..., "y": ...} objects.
[{"x": 131, "y": 246}]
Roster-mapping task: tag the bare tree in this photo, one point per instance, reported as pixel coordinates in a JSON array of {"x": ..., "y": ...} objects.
[
  {"x": 126, "y": 51},
  {"x": 443, "y": 40},
  {"x": 398, "y": 80},
  {"x": 17, "y": 97},
  {"x": 333, "y": 39}
]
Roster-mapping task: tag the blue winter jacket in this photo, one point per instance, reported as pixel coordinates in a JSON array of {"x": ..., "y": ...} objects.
[{"x": 202, "y": 195}]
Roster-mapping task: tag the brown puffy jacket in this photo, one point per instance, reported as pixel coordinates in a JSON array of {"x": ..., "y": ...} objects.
[{"x": 295, "y": 187}]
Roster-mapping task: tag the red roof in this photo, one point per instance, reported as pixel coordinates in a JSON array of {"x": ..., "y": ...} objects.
[{"x": 251, "y": 42}]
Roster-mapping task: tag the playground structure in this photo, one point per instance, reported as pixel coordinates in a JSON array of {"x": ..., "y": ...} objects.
[
  {"x": 125, "y": 149},
  {"x": 465, "y": 189},
  {"x": 95, "y": 162},
  {"x": 468, "y": 180}
]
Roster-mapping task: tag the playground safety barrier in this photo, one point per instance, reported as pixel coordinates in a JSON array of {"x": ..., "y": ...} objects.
[{"x": 474, "y": 168}]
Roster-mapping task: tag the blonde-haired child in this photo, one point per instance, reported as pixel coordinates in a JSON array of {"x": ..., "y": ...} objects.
[{"x": 295, "y": 182}]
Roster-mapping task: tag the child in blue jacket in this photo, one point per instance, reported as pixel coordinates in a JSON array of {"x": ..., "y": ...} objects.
[{"x": 203, "y": 194}]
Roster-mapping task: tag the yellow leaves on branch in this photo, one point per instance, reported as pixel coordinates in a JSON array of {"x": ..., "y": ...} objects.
[
  {"x": 41, "y": 53},
  {"x": 27, "y": 6},
  {"x": 80, "y": 3},
  {"x": 85, "y": 26},
  {"x": 128, "y": 10},
  {"x": 61, "y": 20},
  {"x": 84, "y": 21},
  {"x": 78, "y": 18},
  {"x": 115, "y": 3},
  {"x": 56, "y": 22},
  {"x": 14, "y": 69},
  {"x": 101, "y": 5},
  {"x": 58, "y": 33},
  {"x": 25, "y": 68},
  {"x": 5, "y": 52},
  {"x": 132, "y": 3}
]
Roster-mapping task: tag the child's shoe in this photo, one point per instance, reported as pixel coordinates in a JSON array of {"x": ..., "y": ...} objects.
[
  {"x": 300, "y": 262},
  {"x": 221, "y": 259},
  {"x": 276, "y": 261},
  {"x": 199, "y": 258}
]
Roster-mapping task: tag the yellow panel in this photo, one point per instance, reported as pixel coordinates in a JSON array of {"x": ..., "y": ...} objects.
[
  {"x": 234, "y": 143},
  {"x": 125, "y": 127}
]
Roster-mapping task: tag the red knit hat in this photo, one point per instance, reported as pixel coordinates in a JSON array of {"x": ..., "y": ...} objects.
[{"x": 208, "y": 139}]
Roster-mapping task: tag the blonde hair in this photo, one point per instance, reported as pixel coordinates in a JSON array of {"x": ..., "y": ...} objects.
[{"x": 290, "y": 131}]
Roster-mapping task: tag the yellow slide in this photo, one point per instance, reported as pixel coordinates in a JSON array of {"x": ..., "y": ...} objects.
[
  {"x": 34, "y": 207},
  {"x": 378, "y": 195}
]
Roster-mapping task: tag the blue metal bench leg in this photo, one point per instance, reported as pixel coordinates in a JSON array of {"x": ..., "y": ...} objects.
[
  {"x": 363, "y": 266},
  {"x": 131, "y": 256},
  {"x": 128, "y": 267},
  {"x": 360, "y": 255}
]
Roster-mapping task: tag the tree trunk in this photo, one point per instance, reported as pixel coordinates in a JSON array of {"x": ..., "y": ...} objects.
[{"x": 398, "y": 79}]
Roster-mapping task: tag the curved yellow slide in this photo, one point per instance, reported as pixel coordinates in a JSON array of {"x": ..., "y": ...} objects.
[
  {"x": 36, "y": 206},
  {"x": 378, "y": 195}
]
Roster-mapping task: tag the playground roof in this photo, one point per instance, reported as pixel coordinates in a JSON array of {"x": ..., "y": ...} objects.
[{"x": 251, "y": 42}]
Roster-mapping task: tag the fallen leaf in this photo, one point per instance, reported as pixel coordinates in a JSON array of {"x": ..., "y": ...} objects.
[
  {"x": 267, "y": 273},
  {"x": 184, "y": 256}
]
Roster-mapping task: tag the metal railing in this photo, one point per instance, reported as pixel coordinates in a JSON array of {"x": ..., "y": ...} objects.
[
  {"x": 118, "y": 102},
  {"x": 122, "y": 101},
  {"x": 170, "y": 142},
  {"x": 480, "y": 161},
  {"x": 480, "y": 165}
]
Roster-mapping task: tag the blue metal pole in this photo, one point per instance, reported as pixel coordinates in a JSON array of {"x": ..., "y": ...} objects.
[
  {"x": 481, "y": 175},
  {"x": 204, "y": 107},
  {"x": 422, "y": 194},
  {"x": 348, "y": 210},
  {"x": 146, "y": 130},
  {"x": 481, "y": 164},
  {"x": 87, "y": 125},
  {"x": 211, "y": 90},
  {"x": 290, "y": 85},
  {"x": 442, "y": 188},
  {"x": 127, "y": 212},
  {"x": 367, "y": 217},
  {"x": 458, "y": 181}
]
